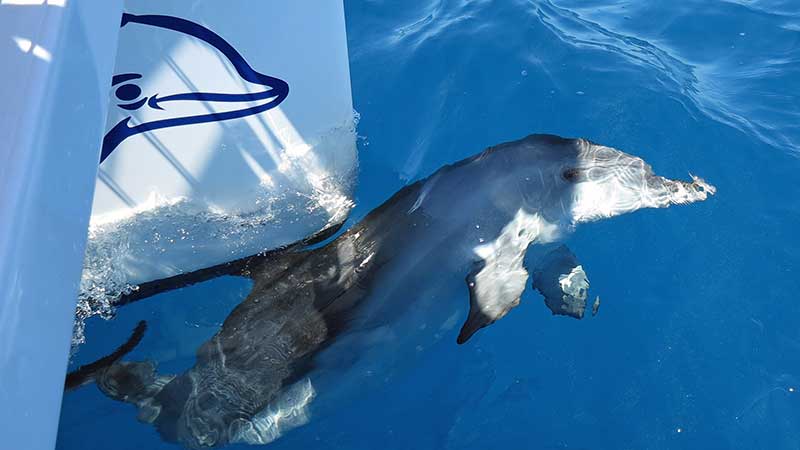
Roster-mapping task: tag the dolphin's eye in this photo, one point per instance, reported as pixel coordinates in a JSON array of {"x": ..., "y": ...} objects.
[
  {"x": 128, "y": 92},
  {"x": 571, "y": 174}
]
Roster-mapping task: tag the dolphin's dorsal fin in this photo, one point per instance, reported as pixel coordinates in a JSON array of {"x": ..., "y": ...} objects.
[{"x": 497, "y": 284}]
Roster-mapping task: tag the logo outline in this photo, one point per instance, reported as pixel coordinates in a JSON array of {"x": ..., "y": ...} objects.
[{"x": 279, "y": 89}]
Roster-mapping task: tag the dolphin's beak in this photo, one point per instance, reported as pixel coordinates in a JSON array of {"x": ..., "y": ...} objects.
[{"x": 665, "y": 192}]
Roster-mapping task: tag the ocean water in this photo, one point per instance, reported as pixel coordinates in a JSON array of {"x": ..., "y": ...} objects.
[{"x": 697, "y": 341}]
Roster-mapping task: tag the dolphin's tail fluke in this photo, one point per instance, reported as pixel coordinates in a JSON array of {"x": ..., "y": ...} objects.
[{"x": 87, "y": 373}]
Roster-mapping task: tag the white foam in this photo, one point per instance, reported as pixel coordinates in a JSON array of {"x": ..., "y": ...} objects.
[{"x": 168, "y": 236}]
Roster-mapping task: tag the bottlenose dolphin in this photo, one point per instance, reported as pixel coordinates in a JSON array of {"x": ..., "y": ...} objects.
[{"x": 369, "y": 299}]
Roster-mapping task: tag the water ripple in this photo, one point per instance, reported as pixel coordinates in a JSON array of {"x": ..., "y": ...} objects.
[
  {"x": 747, "y": 80},
  {"x": 735, "y": 62},
  {"x": 568, "y": 26}
]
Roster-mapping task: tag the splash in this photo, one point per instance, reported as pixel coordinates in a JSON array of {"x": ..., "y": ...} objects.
[{"x": 166, "y": 237}]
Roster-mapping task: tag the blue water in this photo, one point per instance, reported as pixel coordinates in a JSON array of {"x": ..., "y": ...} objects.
[{"x": 697, "y": 343}]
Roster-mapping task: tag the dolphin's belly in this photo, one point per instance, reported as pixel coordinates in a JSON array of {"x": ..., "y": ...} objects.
[{"x": 404, "y": 314}]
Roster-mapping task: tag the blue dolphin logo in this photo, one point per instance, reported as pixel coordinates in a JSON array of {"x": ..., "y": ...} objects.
[{"x": 128, "y": 91}]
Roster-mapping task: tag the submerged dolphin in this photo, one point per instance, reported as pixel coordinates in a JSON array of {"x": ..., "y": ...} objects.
[{"x": 368, "y": 300}]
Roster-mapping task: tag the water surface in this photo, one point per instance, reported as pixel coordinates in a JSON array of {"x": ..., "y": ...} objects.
[{"x": 697, "y": 341}]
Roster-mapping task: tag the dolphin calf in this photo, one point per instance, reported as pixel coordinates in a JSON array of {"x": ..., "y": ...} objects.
[{"x": 371, "y": 298}]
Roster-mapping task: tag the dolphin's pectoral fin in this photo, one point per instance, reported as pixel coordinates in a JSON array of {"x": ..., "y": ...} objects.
[
  {"x": 563, "y": 283},
  {"x": 497, "y": 285},
  {"x": 493, "y": 290}
]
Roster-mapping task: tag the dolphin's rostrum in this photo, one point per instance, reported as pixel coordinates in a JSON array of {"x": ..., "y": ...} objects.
[{"x": 314, "y": 316}]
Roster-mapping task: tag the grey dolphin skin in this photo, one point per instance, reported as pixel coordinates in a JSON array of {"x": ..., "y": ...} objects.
[{"x": 367, "y": 301}]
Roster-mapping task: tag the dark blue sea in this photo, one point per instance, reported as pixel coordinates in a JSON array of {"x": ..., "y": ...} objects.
[{"x": 697, "y": 342}]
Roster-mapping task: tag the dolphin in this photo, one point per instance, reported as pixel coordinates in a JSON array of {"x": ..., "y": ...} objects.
[{"x": 368, "y": 300}]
